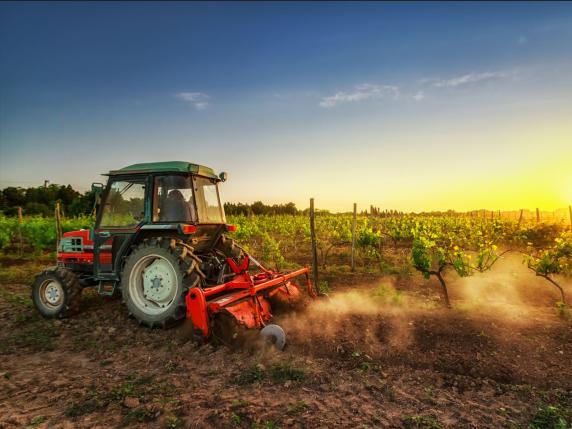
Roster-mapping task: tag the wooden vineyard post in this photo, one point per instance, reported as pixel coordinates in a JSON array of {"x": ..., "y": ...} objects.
[
  {"x": 315, "y": 277},
  {"x": 58, "y": 215},
  {"x": 520, "y": 218},
  {"x": 20, "y": 220},
  {"x": 537, "y": 215},
  {"x": 353, "y": 255}
]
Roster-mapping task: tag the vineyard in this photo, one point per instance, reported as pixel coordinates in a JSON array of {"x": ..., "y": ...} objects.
[
  {"x": 403, "y": 341},
  {"x": 430, "y": 244}
]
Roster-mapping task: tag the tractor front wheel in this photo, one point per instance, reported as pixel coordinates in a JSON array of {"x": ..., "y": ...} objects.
[
  {"x": 155, "y": 279},
  {"x": 56, "y": 293}
]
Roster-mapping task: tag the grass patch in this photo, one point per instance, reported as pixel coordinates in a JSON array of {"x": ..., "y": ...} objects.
[
  {"x": 36, "y": 421},
  {"x": 563, "y": 311},
  {"x": 297, "y": 407},
  {"x": 235, "y": 419},
  {"x": 38, "y": 336},
  {"x": 135, "y": 387},
  {"x": 140, "y": 415},
  {"x": 388, "y": 295},
  {"x": 131, "y": 387},
  {"x": 16, "y": 299},
  {"x": 22, "y": 271},
  {"x": 324, "y": 287},
  {"x": 283, "y": 372},
  {"x": 278, "y": 373},
  {"x": 249, "y": 375},
  {"x": 173, "y": 422},
  {"x": 423, "y": 422},
  {"x": 551, "y": 417},
  {"x": 239, "y": 403},
  {"x": 268, "y": 424},
  {"x": 77, "y": 409}
]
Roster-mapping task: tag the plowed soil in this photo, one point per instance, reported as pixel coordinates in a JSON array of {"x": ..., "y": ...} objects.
[{"x": 370, "y": 356}]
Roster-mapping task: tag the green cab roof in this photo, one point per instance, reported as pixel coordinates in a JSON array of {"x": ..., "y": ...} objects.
[{"x": 166, "y": 167}]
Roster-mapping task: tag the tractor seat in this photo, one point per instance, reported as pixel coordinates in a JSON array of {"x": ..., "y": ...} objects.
[{"x": 175, "y": 208}]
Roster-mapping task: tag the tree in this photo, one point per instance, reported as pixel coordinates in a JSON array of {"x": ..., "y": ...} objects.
[
  {"x": 432, "y": 255},
  {"x": 555, "y": 260},
  {"x": 14, "y": 197}
]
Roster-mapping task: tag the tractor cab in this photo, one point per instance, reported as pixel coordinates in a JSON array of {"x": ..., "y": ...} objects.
[
  {"x": 163, "y": 198},
  {"x": 171, "y": 199}
]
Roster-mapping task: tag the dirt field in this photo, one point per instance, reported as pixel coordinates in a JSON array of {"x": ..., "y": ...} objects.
[{"x": 379, "y": 353}]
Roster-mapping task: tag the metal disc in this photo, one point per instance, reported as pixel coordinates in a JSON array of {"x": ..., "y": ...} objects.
[{"x": 275, "y": 335}]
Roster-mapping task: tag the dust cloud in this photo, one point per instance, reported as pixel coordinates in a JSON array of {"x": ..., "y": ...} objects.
[
  {"x": 510, "y": 290},
  {"x": 366, "y": 313},
  {"x": 380, "y": 315}
]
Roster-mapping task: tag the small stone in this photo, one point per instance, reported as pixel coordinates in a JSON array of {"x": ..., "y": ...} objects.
[
  {"x": 112, "y": 330},
  {"x": 131, "y": 402},
  {"x": 288, "y": 383},
  {"x": 59, "y": 383}
]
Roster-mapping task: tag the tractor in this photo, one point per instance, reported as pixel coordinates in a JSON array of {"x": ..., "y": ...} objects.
[{"x": 160, "y": 242}]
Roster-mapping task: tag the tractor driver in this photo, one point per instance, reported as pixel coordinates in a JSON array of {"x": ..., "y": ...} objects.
[{"x": 176, "y": 209}]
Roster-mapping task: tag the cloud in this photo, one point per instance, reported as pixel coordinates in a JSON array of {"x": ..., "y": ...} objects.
[
  {"x": 198, "y": 100},
  {"x": 521, "y": 40},
  {"x": 420, "y": 95},
  {"x": 471, "y": 78},
  {"x": 361, "y": 92}
]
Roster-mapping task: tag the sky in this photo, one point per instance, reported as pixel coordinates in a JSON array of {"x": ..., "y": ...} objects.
[{"x": 406, "y": 106}]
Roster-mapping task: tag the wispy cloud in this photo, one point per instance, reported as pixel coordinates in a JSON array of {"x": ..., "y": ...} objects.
[
  {"x": 361, "y": 92},
  {"x": 198, "y": 100},
  {"x": 420, "y": 95},
  {"x": 470, "y": 78}
]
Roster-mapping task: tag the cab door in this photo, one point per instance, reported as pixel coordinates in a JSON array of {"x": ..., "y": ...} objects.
[{"x": 121, "y": 214}]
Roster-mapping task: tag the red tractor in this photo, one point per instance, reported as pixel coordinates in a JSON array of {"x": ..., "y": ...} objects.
[{"x": 160, "y": 239}]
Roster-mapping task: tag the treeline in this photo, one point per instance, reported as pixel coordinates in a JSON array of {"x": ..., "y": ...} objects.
[{"x": 42, "y": 200}]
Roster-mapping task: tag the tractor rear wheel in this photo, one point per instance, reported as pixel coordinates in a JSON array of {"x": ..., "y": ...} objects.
[
  {"x": 56, "y": 293},
  {"x": 156, "y": 278}
]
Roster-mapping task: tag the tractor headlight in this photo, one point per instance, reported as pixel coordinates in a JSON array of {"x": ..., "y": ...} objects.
[{"x": 223, "y": 176}]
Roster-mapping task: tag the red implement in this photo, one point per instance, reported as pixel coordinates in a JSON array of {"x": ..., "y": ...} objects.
[{"x": 245, "y": 297}]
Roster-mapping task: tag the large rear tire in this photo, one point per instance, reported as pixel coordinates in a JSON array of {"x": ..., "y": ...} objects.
[
  {"x": 155, "y": 280},
  {"x": 56, "y": 293}
]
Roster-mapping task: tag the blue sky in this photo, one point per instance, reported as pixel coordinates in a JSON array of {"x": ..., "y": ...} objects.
[{"x": 410, "y": 106}]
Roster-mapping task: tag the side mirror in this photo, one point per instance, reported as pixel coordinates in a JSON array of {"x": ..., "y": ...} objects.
[
  {"x": 223, "y": 176},
  {"x": 97, "y": 189}
]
